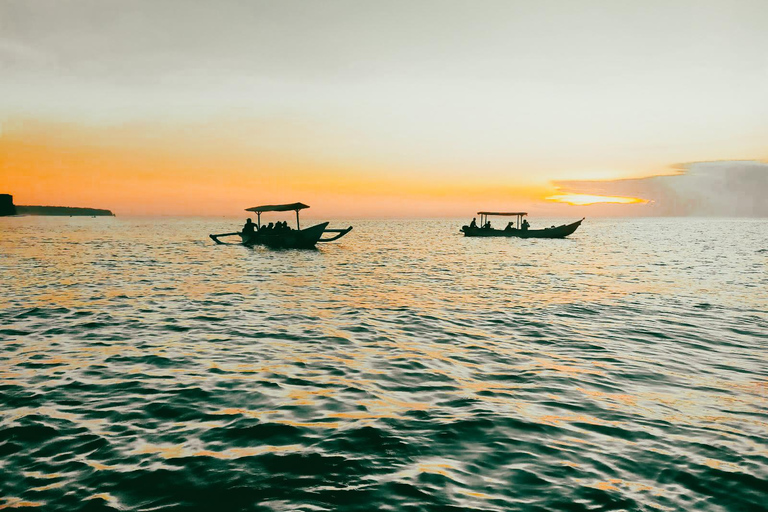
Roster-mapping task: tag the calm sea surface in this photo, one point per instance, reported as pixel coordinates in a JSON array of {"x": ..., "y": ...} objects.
[{"x": 403, "y": 367}]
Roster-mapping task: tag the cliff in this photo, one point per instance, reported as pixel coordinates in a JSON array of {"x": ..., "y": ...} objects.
[{"x": 6, "y": 205}]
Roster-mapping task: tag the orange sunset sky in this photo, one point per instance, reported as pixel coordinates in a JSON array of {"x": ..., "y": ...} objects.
[{"x": 387, "y": 108}]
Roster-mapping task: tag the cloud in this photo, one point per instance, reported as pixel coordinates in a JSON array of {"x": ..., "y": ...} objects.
[{"x": 727, "y": 188}]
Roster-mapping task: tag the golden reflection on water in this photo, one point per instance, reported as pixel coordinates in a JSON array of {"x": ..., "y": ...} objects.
[
  {"x": 105, "y": 496},
  {"x": 723, "y": 465},
  {"x": 236, "y": 453},
  {"x": 475, "y": 494},
  {"x": 573, "y": 442},
  {"x": 624, "y": 399},
  {"x": 361, "y": 415},
  {"x": 391, "y": 403},
  {"x": 98, "y": 466},
  {"x": 310, "y": 424},
  {"x": 544, "y": 364},
  {"x": 12, "y": 502},
  {"x": 439, "y": 469},
  {"x": 244, "y": 412},
  {"x": 54, "y": 485},
  {"x": 556, "y": 419},
  {"x": 306, "y": 396},
  {"x": 167, "y": 452},
  {"x": 444, "y": 467},
  {"x": 40, "y": 474},
  {"x": 639, "y": 491}
]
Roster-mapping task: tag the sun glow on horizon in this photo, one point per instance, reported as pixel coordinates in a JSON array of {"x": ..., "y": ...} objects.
[
  {"x": 206, "y": 172},
  {"x": 586, "y": 199}
]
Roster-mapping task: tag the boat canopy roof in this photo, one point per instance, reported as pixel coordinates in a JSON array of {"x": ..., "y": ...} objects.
[
  {"x": 503, "y": 214},
  {"x": 277, "y": 207}
]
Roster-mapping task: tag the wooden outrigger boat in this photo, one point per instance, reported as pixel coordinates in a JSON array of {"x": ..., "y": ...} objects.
[
  {"x": 521, "y": 230},
  {"x": 284, "y": 238}
]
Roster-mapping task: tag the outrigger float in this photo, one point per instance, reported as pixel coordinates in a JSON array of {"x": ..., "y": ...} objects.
[
  {"x": 520, "y": 231},
  {"x": 284, "y": 238}
]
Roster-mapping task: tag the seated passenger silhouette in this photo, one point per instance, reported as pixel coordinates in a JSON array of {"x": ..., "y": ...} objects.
[
  {"x": 473, "y": 224},
  {"x": 525, "y": 225},
  {"x": 487, "y": 225},
  {"x": 249, "y": 228},
  {"x": 510, "y": 226}
]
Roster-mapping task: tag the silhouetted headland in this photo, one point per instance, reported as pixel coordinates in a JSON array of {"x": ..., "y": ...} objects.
[
  {"x": 62, "y": 211},
  {"x": 8, "y": 208},
  {"x": 6, "y": 205}
]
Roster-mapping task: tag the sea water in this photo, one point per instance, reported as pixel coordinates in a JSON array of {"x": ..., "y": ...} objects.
[{"x": 403, "y": 367}]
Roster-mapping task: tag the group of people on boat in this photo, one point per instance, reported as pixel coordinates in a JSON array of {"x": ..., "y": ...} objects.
[
  {"x": 275, "y": 228},
  {"x": 510, "y": 226}
]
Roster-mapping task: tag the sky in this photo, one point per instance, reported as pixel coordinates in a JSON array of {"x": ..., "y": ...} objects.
[{"x": 397, "y": 108}]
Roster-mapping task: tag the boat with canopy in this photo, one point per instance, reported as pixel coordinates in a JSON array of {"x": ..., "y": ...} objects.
[
  {"x": 517, "y": 229},
  {"x": 280, "y": 236}
]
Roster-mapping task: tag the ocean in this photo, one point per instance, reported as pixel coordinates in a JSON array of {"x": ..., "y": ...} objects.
[{"x": 401, "y": 368}]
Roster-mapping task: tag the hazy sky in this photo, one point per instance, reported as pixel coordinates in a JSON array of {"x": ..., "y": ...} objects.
[{"x": 330, "y": 99}]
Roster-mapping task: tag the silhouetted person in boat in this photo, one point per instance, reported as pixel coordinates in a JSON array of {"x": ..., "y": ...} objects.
[
  {"x": 510, "y": 226},
  {"x": 249, "y": 228},
  {"x": 487, "y": 225},
  {"x": 473, "y": 224},
  {"x": 525, "y": 225}
]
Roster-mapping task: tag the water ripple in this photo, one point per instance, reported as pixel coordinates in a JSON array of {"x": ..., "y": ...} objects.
[{"x": 623, "y": 368}]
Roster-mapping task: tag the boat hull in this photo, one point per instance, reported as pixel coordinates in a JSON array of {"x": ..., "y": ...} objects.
[
  {"x": 288, "y": 239},
  {"x": 556, "y": 232}
]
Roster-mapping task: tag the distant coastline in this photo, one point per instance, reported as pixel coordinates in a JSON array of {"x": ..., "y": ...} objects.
[
  {"x": 62, "y": 211},
  {"x": 7, "y": 208}
]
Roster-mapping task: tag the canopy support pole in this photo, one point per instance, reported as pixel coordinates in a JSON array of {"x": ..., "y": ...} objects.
[
  {"x": 258, "y": 220},
  {"x": 297, "y": 220}
]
